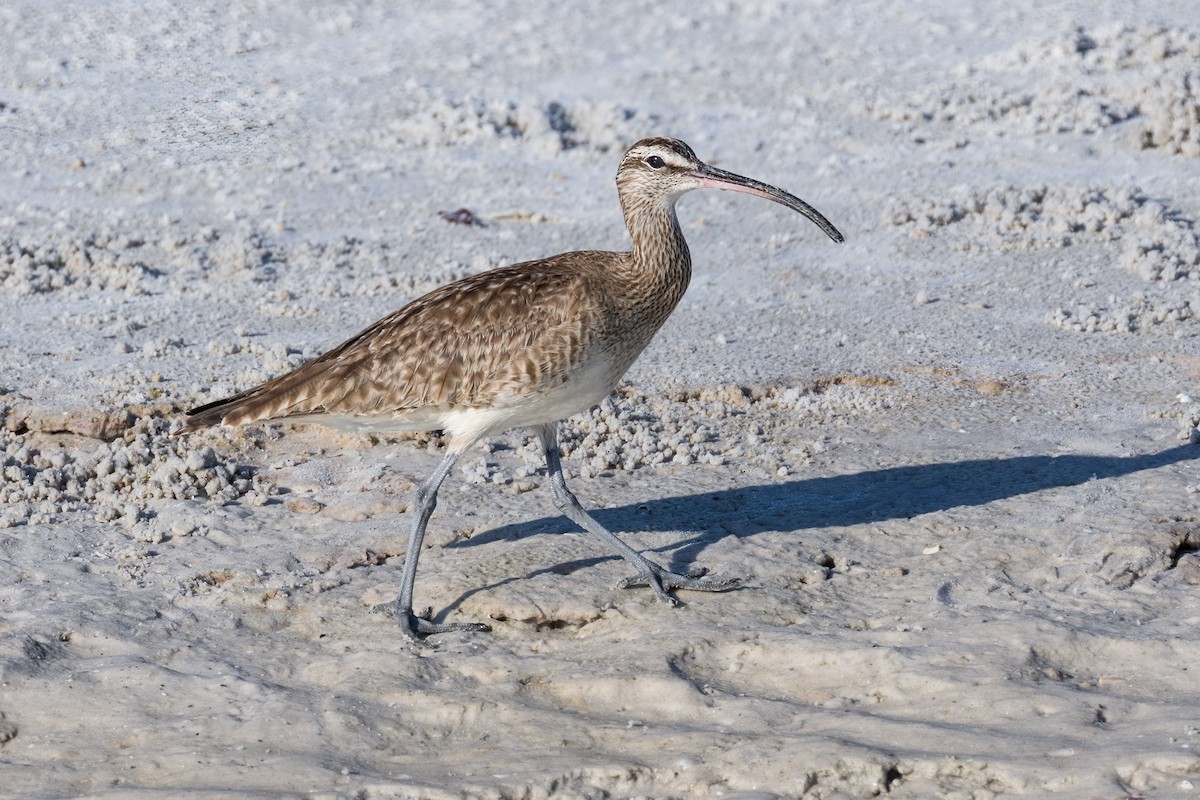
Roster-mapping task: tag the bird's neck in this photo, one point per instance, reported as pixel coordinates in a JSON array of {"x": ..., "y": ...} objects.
[{"x": 660, "y": 264}]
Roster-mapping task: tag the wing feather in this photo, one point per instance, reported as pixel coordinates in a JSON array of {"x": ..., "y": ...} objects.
[{"x": 511, "y": 330}]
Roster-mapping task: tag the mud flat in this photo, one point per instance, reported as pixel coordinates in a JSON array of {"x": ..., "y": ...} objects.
[{"x": 955, "y": 459}]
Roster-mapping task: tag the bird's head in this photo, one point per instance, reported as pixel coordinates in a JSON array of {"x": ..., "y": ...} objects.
[{"x": 659, "y": 171}]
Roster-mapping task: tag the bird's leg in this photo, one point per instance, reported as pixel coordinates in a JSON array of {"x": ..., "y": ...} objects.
[
  {"x": 424, "y": 501},
  {"x": 662, "y": 581}
]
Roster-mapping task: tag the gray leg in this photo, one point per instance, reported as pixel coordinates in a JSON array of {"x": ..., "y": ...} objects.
[
  {"x": 424, "y": 501},
  {"x": 648, "y": 573}
]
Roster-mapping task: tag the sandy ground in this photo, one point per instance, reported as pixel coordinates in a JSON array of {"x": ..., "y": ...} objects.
[{"x": 954, "y": 459}]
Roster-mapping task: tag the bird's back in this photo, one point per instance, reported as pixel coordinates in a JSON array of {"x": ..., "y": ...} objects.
[{"x": 501, "y": 335}]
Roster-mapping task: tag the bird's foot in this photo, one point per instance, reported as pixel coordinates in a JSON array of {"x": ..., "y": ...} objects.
[
  {"x": 414, "y": 627},
  {"x": 663, "y": 581}
]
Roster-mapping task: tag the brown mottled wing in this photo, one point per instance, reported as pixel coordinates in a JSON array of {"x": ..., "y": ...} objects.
[{"x": 516, "y": 328}]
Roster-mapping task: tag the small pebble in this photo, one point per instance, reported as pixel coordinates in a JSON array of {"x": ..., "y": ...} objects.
[
  {"x": 305, "y": 505},
  {"x": 112, "y": 478}
]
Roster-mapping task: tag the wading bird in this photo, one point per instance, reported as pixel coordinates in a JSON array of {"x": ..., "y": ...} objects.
[{"x": 520, "y": 346}]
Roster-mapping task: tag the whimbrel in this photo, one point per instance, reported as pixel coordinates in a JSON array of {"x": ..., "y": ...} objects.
[{"x": 519, "y": 346}]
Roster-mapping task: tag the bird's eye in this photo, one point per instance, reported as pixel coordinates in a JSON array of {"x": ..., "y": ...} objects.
[{"x": 656, "y": 162}]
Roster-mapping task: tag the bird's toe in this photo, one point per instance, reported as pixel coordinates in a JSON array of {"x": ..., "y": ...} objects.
[
  {"x": 415, "y": 627},
  {"x": 663, "y": 582}
]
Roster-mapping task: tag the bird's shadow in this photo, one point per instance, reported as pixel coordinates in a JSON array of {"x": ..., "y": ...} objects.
[{"x": 837, "y": 500}]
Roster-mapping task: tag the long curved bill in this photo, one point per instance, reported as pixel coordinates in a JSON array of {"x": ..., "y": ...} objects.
[{"x": 712, "y": 178}]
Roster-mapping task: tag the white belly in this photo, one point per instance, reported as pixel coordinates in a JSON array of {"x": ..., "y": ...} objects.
[
  {"x": 586, "y": 387},
  {"x": 590, "y": 384}
]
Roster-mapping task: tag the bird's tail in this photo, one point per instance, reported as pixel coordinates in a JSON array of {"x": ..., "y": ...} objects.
[
  {"x": 233, "y": 410},
  {"x": 287, "y": 395}
]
